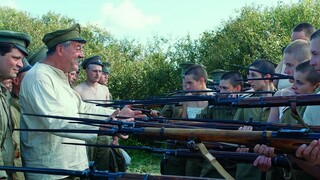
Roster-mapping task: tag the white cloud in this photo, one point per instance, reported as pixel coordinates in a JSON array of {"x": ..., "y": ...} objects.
[
  {"x": 9, "y": 3},
  {"x": 126, "y": 15}
]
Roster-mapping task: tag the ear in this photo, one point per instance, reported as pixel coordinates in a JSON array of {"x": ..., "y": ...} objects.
[
  {"x": 59, "y": 49},
  {"x": 267, "y": 76},
  {"x": 238, "y": 88},
  {"x": 202, "y": 80},
  {"x": 317, "y": 86}
]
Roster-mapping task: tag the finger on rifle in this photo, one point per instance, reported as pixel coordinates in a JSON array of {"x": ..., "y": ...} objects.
[
  {"x": 315, "y": 156},
  {"x": 263, "y": 163},
  {"x": 242, "y": 150},
  {"x": 122, "y": 136},
  {"x": 264, "y": 150},
  {"x": 310, "y": 152},
  {"x": 114, "y": 114},
  {"x": 245, "y": 128}
]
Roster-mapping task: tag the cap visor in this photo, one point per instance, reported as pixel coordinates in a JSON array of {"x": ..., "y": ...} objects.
[
  {"x": 78, "y": 39},
  {"x": 22, "y": 49}
]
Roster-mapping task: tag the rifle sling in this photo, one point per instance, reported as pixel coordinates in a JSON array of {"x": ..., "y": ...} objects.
[
  {"x": 297, "y": 117},
  {"x": 208, "y": 156}
]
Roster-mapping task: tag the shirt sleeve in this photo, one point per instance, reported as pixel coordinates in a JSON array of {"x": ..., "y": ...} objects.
[{"x": 42, "y": 99}]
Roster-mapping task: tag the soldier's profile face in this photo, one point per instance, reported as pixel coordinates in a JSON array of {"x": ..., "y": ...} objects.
[
  {"x": 255, "y": 84},
  {"x": 301, "y": 85},
  {"x": 315, "y": 54},
  {"x": 10, "y": 64},
  {"x": 190, "y": 84},
  {"x": 290, "y": 64},
  {"x": 226, "y": 87}
]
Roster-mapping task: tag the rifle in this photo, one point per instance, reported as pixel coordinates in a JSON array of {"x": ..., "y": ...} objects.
[
  {"x": 285, "y": 141},
  {"x": 206, "y": 123},
  {"x": 240, "y": 102},
  {"x": 279, "y": 161},
  {"x": 91, "y": 173}
]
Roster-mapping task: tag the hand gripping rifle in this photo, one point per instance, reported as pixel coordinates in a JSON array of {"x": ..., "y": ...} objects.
[
  {"x": 279, "y": 160},
  {"x": 285, "y": 141}
]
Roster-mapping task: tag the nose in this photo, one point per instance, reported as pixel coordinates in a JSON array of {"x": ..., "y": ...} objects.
[
  {"x": 294, "y": 86},
  {"x": 81, "y": 54},
  {"x": 313, "y": 62},
  {"x": 20, "y": 64},
  {"x": 287, "y": 70}
]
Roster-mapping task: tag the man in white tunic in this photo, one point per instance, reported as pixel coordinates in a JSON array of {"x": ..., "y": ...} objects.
[{"x": 45, "y": 90}]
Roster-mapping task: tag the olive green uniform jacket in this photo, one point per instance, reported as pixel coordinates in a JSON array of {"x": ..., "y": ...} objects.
[
  {"x": 277, "y": 173},
  {"x": 6, "y": 127},
  {"x": 217, "y": 113},
  {"x": 248, "y": 171},
  {"x": 15, "y": 109}
]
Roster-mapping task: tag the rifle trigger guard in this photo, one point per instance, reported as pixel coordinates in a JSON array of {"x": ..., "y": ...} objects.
[{"x": 192, "y": 145}]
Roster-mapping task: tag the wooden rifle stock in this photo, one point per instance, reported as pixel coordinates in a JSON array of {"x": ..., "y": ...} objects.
[{"x": 285, "y": 141}]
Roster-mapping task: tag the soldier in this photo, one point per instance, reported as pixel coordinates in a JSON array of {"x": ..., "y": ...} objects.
[
  {"x": 12, "y": 50},
  {"x": 174, "y": 165},
  {"x": 45, "y": 90},
  {"x": 91, "y": 89},
  {"x": 105, "y": 77},
  {"x": 15, "y": 109},
  {"x": 72, "y": 77},
  {"x": 230, "y": 82},
  {"x": 195, "y": 79},
  {"x": 300, "y": 31},
  {"x": 265, "y": 69},
  {"x": 296, "y": 52},
  {"x": 306, "y": 81}
]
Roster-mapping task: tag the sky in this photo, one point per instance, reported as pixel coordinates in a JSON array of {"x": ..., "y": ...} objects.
[{"x": 143, "y": 19}]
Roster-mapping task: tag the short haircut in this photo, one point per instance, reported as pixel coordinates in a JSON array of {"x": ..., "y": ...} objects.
[
  {"x": 6, "y": 48},
  {"x": 307, "y": 28},
  {"x": 264, "y": 66},
  {"x": 300, "y": 49},
  {"x": 234, "y": 78},
  {"x": 315, "y": 35},
  {"x": 197, "y": 71},
  {"x": 312, "y": 75},
  {"x": 53, "y": 49}
]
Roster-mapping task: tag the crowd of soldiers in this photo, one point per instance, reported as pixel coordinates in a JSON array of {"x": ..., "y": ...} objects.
[{"x": 44, "y": 83}]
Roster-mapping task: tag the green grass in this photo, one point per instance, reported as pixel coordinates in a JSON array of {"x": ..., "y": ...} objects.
[{"x": 142, "y": 161}]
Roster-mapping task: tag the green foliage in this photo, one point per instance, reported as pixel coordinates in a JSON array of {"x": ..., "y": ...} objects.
[
  {"x": 141, "y": 71},
  {"x": 258, "y": 32}
]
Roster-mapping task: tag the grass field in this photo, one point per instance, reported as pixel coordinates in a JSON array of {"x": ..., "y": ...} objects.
[{"x": 142, "y": 161}]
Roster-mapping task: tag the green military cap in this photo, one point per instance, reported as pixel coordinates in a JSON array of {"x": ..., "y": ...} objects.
[
  {"x": 217, "y": 74},
  {"x": 26, "y": 66},
  {"x": 105, "y": 68},
  {"x": 37, "y": 56},
  {"x": 63, "y": 35},
  {"x": 19, "y": 39},
  {"x": 92, "y": 60},
  {"x": 184, "y": 67}
]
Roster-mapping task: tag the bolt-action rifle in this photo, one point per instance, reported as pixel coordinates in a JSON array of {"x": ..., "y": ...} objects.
[
  {"x": 91, "y": 173},
  {"x": 285, "y": 141},
  {"x": 182, "y": 123},
  {"x": 279, "y": 160}
]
